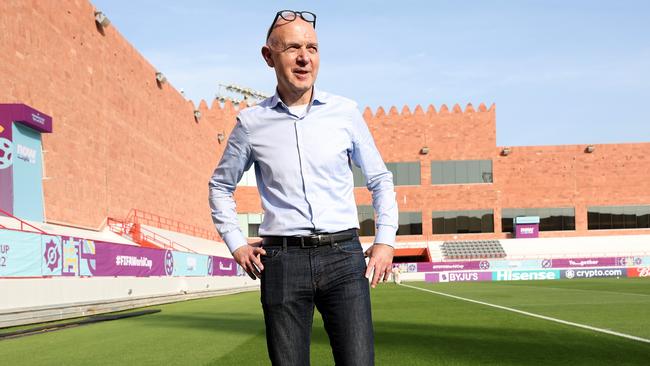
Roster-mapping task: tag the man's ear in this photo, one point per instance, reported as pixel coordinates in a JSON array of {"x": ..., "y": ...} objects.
[{"x": 266, "y": 53}]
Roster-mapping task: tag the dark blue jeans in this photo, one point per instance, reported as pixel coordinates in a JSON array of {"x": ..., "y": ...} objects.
[{"x": 331, "y": 278}]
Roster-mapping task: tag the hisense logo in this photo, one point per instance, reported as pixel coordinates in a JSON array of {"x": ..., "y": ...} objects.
[{"x": 525, "y": 275}]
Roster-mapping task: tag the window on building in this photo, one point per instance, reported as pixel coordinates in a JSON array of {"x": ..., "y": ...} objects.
[
  {"x": 550, "y": 219},
  {"x": 618, "y": 217},
  {"x": 249, "y": 223},
  {"x": 410, "y": 223},
  {"x": 461, "y": 171},
  {"x": 404, "y": 174},
  {"x": 366, "y": 220},
  {"x": 463, "y": 222}
]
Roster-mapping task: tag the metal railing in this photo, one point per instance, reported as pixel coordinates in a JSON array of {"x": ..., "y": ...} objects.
[
  {"x": 23, "y": 224},
  {"x": 144, "y": 237},
  {"x": 147, "y": 218}
]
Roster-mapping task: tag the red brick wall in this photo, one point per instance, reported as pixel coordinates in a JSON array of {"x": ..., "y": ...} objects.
[{"x": 121, "y": 141}]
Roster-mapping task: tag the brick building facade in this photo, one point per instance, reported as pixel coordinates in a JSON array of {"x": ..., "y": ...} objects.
[{"x": 122, "y": 140}]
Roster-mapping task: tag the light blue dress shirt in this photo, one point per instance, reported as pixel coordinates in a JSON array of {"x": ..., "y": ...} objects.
[{"x": 303, "y": 171}]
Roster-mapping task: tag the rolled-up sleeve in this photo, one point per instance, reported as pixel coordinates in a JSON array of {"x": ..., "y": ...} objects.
[
  {"x": 236, "y": 159},
  {"x": 379, "y": 181}
]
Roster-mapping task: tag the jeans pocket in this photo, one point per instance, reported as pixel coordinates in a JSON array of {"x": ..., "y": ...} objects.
[
  {"x": 349, "y": 247},
  {"x": 271, "y": 253}
]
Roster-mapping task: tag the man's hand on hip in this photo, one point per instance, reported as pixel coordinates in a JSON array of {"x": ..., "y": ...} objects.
[
  {"x": 248, "y": 256},
  {"x": 381, "y": 260}
]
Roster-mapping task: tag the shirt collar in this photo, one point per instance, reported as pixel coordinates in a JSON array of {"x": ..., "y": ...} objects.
[{"x": 318, "y": 97}]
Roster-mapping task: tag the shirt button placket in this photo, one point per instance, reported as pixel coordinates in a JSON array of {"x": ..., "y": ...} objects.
[{"x": 305, "y": 178}]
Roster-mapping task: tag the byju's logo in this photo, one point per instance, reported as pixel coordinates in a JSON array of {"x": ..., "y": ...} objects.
[{"x": 443, "y": 277}]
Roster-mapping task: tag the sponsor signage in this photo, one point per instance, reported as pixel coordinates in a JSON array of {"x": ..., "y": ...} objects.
[
  {"x": 452, "y": 266},
  {"x": 223, "y": 267},
  {"x": 526, "y": 231},
  {"x": 580, "y": 262},
  {"x": 639, "y": 272},
  {"x": 525, "y": 275},
  {"x": 458, "y": 276},
  {"x": 34, "y": 255},
  {"x": 20, "y": 254},
  {"x": 594, "y": 273},
  {"x": 127, "y": 260}
]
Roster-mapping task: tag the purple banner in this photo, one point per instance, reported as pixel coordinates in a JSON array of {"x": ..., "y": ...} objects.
[
  {"x": 127, "y": 260},
  {"x": 526, "y": 231},
  {"x": 452, "y": 266},
  {"x": 220, "y": 266},
  {"x": 26, "y": 115},
  {"x": 580, "y": 262},
  {"x": 458, "y": 276}
]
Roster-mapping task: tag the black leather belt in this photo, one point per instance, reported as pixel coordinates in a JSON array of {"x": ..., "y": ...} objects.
[{"x": 310, "y": 241}]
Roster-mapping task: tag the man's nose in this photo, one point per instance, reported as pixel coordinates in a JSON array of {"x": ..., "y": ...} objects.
[{"x": 303, "y": 56}]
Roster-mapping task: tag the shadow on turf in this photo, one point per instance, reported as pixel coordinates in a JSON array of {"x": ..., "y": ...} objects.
[{"x": 430, "y": 343}]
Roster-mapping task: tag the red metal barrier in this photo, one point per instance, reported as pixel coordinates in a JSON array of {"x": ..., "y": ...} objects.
[
  {"x": 144, "y": 237},
  {"x": 23, "y": 224},
  {"x": 147, "y": 218}
]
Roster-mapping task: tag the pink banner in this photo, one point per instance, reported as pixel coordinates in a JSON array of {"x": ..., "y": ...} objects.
[
  {"x": 220, "y": 266},
  {"x": 580, "y": 262},
  {"x": 452, "y": 266},
  {"x": 127, "y": 260}
]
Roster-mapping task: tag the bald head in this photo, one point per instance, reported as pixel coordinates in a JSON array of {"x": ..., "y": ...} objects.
[
  {"x": 281, "y": 29},
  {"x": 292, "y": 50}
]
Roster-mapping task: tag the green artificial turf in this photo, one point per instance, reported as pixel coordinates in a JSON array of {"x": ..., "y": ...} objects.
[{"x": 411, "y": 328}]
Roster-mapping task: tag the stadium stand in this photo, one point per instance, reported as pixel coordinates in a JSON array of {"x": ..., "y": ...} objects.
[{"x": 472, "y": 249}]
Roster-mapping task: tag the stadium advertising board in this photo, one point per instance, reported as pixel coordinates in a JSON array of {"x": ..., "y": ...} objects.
[
  {"x": 579, "y": 262},
  {"x": 20, "y": 254},
  {"x": 527, "y": 264},
  {"x": 526, "y": 275},
  {"x": 452, "y": 266},
  {"x": 632, "y": 261},
  {"x": 643, "y": 272},
  {"x": 515, "y": 264},
  {"x": 220, "y": 266},
  {"x": 127, "y": 260},
  {"x": 190, "y": 264},
  {"x": 24, "y": 254},
  {"x": 594, "y": 273},
  {"x": 458, "y": 276}
]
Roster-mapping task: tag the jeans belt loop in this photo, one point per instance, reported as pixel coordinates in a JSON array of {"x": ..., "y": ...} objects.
[{"x": 284, "y": 244}]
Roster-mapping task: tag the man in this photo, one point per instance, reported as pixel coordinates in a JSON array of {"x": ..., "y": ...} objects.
[{"x": 301, "y": 142}]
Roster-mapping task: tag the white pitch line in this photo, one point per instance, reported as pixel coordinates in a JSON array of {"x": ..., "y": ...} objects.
[{"x": 577, "y": 325}]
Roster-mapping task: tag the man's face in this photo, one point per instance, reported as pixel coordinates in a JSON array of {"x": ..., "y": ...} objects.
[{"x": 292, "y": 49}]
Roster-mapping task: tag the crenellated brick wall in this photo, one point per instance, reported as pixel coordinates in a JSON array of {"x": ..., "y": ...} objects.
[{"x": 123, "y": 141}]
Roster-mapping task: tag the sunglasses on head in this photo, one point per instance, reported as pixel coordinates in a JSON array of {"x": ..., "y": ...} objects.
[{"x": 291, "y": 15}]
